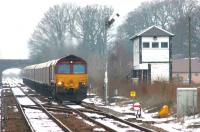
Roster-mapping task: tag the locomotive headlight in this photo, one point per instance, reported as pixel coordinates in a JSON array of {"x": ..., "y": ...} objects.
[
  {"x": 82, "y": 83},
  {"x": 60, "y": 83}
]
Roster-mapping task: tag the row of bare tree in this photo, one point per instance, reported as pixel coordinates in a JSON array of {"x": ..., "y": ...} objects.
[
  {"x": 70, "y": 29},
  {"x": 171, "y": 15}
]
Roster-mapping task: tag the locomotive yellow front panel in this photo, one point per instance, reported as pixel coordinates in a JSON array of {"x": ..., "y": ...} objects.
[{"x": 71, "y": 80}]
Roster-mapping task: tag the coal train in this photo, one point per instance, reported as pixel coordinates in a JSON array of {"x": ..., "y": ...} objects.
[{"x": 65, "y": 78}]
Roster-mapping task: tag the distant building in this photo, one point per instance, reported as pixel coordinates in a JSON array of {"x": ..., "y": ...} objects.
[
  {"x": 180, "y": 70},
  {"x": 152, "y": 55}
]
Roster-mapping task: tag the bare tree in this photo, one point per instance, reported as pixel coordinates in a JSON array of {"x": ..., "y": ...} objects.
[
  {"x": 168, "y": 14},
  {"x": 89, "y": 28},
  {"x": 51, "y": 35}
]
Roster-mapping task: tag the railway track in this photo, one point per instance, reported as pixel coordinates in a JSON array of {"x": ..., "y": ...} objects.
[
  {"x": 36, "y": 106},
  {"x": 88, "y": 113},
  {"x": 34, "y": 112},
  {"x": 11, "y": 116},
  {"x": 107, "y": 121},
  {"x": 117, "y": 118}
]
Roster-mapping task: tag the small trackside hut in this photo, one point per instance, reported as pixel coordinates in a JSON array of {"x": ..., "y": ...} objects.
[{"x": 152, "y": 55}]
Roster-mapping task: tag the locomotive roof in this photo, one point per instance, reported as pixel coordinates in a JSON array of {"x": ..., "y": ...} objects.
[
  {"x": 71, "y": 58},
  {"x": 54, "y": 62}
]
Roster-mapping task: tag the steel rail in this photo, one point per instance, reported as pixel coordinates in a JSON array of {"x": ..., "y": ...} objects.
[
  {"x": 22, "y": 112},
  {"x": 59, "y": 123},
  {"x": 118, "y": 119},
  {"x": 92, "y": 120},
  {"x": 102, "y": 113},
  {"x": 48, "y": 108}
]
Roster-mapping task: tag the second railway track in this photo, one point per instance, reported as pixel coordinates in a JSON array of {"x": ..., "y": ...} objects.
[
  {"x": 37, "y": 117},
  {"x": 64, "y": 117}
]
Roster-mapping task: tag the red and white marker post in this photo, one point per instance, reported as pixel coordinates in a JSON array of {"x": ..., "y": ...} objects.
[{"x": 137, "y": 108}]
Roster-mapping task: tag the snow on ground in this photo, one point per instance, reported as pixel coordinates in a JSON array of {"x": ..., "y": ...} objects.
[
  {"x": 169, "y": 123},
  {"x": 17, "y": 92},
  {"x": 25, "y": 101},
  {"x": 22, "y": 100},
  {"x": 26, "y": 89},
  {"x": 41, "y": 122},
  {"x": 96, "y": 100},
  {"x": 111, "y": 123},
  {"x": 75, "y": 106},
  {"x": 99, "y": 130},
  {"x": 116, "y": 125},
  {"x": 182, "y": 125}
]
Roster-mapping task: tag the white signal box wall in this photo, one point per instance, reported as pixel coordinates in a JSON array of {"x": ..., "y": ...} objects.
[
  {"x": 187, "y": 101},
  {"x": 152, "y": 55}
]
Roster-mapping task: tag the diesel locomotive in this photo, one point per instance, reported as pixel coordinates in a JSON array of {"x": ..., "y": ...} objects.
[{"x": 65, "y": 78}]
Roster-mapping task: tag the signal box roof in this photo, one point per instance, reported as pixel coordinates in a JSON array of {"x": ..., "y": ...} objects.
[{"x": 153, "y": 31}]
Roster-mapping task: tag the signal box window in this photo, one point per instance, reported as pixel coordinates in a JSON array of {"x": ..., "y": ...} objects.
[
  {"x": 63, "y": 68},
  {"x": 78, "y": 68},
  {"x": 155, "y": 45},
  {"x": 164, "y": 45},
  {"x": 145, "y": 45}
]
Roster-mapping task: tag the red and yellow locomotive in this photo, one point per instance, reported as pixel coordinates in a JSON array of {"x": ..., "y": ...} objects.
[{"x": 66, "y": 78}]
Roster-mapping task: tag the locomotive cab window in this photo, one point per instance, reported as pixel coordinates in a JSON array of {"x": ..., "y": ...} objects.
[
  {"x": 79, "y": 68},
  {"x": 63, "y": 68}
]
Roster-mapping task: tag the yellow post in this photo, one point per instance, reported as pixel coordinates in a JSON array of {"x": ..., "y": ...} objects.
[{"x": 133, "y": 93}]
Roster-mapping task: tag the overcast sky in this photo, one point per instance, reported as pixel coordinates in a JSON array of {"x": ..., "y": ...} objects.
[{"x": 18, "y": 19}]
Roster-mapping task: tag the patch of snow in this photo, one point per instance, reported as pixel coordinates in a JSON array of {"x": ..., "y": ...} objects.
[
  {"x": 111, "y": 123},
  {"x": 15, "y": 109},
  {"x": 128, "y": 117},
  {"x": 26, "y": 89},
  {"x": 25, "y": 101},
  {"x": 17, "y": 92},
  {"x": 75, "y": 106},
  {"x": 41, "y": 122},
  {"x": 115, "y": 125},
  {"x": 182, "y": 125},
  {"x": 122, "y": 108},
  {"x": 45, "y": 125},
  {"x": 93, "y": 115},
  {"x": 99, "y": 130},
  {"x": 96, "y": 100}
]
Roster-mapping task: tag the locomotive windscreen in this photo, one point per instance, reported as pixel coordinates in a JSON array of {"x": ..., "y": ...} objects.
[
  {"x": 79, "y": 68},
  {"x": 63, "y": 68}
]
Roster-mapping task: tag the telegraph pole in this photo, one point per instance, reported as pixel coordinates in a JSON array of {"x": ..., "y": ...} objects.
[{"x": 189, "y": 37}]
